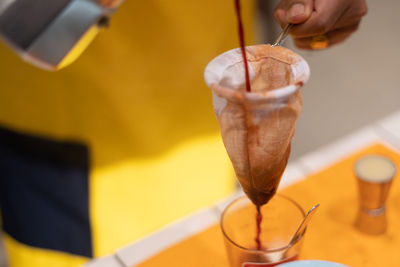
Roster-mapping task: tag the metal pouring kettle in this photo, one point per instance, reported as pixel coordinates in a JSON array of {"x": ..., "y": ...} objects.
[{"x": 51, "y": 34}]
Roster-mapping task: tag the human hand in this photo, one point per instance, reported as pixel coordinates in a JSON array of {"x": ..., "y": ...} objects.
[{"x": 334, "y": 19}]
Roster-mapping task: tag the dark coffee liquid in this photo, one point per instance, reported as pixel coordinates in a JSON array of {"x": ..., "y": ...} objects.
[
  {"x": 259, "y": 218},
  {"x": 250, "y": 264},
  {"x": 242, "y": 46},
  {"x": 248, "y": 89}
]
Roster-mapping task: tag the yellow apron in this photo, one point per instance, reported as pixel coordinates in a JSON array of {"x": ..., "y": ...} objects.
[{"x": 137, "y": 99}]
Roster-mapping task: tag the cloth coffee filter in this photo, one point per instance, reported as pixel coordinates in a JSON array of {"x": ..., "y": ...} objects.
[{"x": 257, "y": 127}]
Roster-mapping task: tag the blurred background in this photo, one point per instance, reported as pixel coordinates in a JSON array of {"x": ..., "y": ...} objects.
[{"x": 351, "y": 85}]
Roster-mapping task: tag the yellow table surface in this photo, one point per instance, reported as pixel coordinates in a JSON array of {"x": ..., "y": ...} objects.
[{"x": 331, "y": 234}]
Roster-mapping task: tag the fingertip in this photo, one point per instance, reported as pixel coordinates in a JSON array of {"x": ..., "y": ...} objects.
[
  {"x": 298, "y": 13},
  {"x": 280, "y": 16},
  {"x": 297, "y": 19}
]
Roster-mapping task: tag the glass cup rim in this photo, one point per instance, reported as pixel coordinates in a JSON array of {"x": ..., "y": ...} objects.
[{"x": 256, "y": 250}]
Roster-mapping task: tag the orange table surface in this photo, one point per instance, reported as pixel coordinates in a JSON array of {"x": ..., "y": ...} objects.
[{"x": 331, "y": 234}]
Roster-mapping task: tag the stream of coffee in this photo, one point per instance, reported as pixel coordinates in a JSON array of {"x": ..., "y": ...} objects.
[
  {"x": 242, "y": 44},
  {"x": 248, "y": 89},
  {"x": 259, "y": 218}
]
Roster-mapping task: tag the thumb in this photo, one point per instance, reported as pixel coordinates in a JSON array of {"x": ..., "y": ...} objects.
[{"x": 298, "y": 11}]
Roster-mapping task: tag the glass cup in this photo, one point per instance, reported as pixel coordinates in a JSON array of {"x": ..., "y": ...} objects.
[{"x": 281, "y": 218}]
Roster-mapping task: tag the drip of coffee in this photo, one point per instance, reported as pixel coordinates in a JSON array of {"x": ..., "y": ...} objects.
[
  {"x": 259, "y": 218},
  {"x": 248, "y": 89}
]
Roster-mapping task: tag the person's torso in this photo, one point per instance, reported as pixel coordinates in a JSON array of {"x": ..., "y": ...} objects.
[{"x": 136, "y": 98}]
